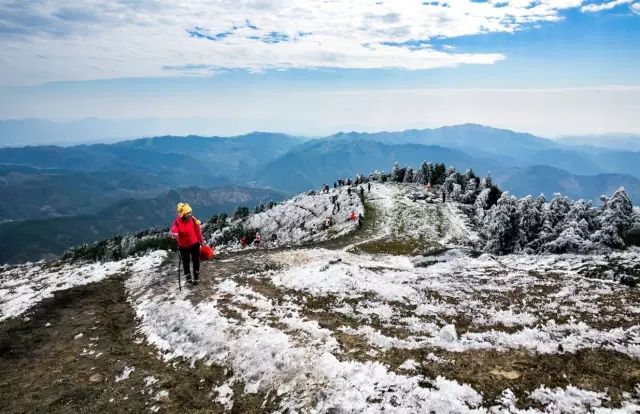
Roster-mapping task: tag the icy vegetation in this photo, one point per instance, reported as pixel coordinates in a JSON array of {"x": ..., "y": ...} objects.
[
  {"x": 529, "y": 225},
  {"x": 301, "y": 219}
]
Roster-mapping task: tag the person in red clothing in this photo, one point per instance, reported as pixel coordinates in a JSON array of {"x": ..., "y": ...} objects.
[{"x": 186, "y": 230}]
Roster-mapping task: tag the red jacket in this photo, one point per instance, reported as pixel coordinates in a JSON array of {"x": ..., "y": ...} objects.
[{"x": 188, "y": 232}]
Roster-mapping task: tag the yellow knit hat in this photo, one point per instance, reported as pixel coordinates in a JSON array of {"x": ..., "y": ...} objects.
[{"x": 183, "y": 208}]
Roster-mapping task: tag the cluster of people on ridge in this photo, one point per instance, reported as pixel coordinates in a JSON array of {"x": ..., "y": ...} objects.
[{"x": 187, "y": 230}]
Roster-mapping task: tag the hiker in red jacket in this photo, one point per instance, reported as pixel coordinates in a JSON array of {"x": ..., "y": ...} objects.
[{"x": 186, "y": 230}]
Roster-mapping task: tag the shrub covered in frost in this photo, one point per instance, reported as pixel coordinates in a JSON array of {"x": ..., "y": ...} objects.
[
  {"x": 534, "y": 226},
  {"x": 120, "y": 247}
]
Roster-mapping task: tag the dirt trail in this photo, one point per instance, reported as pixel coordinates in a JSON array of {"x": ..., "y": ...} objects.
[{"x": 65, "y": 354}]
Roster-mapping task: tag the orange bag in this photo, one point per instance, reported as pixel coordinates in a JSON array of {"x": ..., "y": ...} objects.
[{"x": 206, "y": 253}]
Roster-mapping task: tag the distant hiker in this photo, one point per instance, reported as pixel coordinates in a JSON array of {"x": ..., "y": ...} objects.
[
  {"x": 327, "y": 223},
  {"x": 361, "y": 193},
  {"x": 243, "y": 241},
  {"x": 444, "y": 196},
  {"x": 335, "y": 185},
  {"x": 257, "y": 240},
  {"x": 369, "y": 187},
  {"x": 353, "y": 216},
  {"x": 360, "y": 220},
  {"x": 186, "y": 230},
  {"x": 348, "y": 181},
  {"x": 337, "y": 206},
  {"x": 325, "y": 188},
  {"x": 274, "y": 238},
  {"x": 428, "y": 186}
]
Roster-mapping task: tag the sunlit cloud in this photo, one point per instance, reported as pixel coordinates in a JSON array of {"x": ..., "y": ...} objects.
[
  {"x": 153, "y": 38},
  {"x": 597, "y": 7}
]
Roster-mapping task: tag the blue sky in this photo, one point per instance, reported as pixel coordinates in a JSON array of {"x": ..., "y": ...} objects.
[{"x": 314, "y": 69}]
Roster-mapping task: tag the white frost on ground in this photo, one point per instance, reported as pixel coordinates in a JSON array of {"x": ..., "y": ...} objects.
[
  {"x": 125, "y": 373},
  {"x": 23, "y": 286},
  {"x": 224, "y": 396},
  {"x": 301, "y": 219},
  {"x": 273, "y": 348},
  {"x": 397, "y": 217},
  {"x": 409, "y": 365},
  {"x": 295, "y": 360},
  {"x": 150, "y": 380}
]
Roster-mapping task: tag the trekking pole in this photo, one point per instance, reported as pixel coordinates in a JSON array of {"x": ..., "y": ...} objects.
[{"x": 179, "y": 264}]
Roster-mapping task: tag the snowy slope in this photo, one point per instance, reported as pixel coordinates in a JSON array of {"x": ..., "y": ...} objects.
[
  {"x": 276, "y": 344},
  {"x": 330, "y": 327}
]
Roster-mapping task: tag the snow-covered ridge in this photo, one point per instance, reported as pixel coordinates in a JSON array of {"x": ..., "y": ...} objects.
[{"x": 302, "y": 218}]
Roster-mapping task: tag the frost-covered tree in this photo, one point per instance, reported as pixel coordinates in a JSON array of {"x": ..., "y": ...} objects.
[
  {"x": 530, "y": 224},
  {"x": 439, "y": 174},
  {"x": 615, "y": 220},
  {"x": 481, "y": 205},
  {"x": 456, "y": 192},
  {"x": 488, "y": 182},
  {"x": 408, "y": 176},
  {"x": 397, "y": 173},
  {"x": 501, "y": 226},
  {"x": 573, "y": 232},
  {"x": 470, "y": 191},
  {"x": 452, "y": 178},
  {"x": 427, "y": 173},
  {"x": 241, "y": 213}
]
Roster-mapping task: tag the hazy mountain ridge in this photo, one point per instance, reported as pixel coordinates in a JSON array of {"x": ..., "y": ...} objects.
[
  {"x": 549, "y": 180},
  {"x": 46, "y": 238},
  {"x": 86, "y": 180}
]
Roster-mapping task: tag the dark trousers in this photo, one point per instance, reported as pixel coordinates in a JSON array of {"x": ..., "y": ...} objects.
[{"x": 188, "y": 254}]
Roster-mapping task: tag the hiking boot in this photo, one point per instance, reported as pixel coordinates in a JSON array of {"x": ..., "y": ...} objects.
[
  {"x": 188, "y": 279},
  {"x": 196, "y": 278}
]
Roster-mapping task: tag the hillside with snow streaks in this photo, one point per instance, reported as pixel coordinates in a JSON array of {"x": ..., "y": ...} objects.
[
  {"x": 402, "y": 314},
  {"x": 341, "y": 329}
]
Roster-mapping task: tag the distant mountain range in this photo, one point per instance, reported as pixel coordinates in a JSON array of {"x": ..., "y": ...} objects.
[
  {"x": 549, "y": 180},
  {"x": 55, "y": 184},
  {"x": 45, "y": 238},
  {"x": 625, "y": 142}
]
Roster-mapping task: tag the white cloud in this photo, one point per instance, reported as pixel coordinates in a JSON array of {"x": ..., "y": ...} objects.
[
  {"x": 597, "y": 7},
  {"x": 44, "y": 40},
  {"x": 635, "y": 7}
]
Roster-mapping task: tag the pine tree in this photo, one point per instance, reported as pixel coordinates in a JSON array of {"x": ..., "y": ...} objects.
[
  {"x": 397, "y": 173},
  {"x": 573, "y": 231},
  {"x": 408, "y": 176},
  {"x": 501, "y": 226},
  {"x": 488, "y": 182},
  {"x": 470, "y": 191},
  {"x": 456, "y": 192},
  {"x": 481, "y": 205},
  {"x": 531, "y": 221},
  {"x": 616, "y": 220},
  {"x": 427, "y": 172},
  {"x": 438, "y": 174}
]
